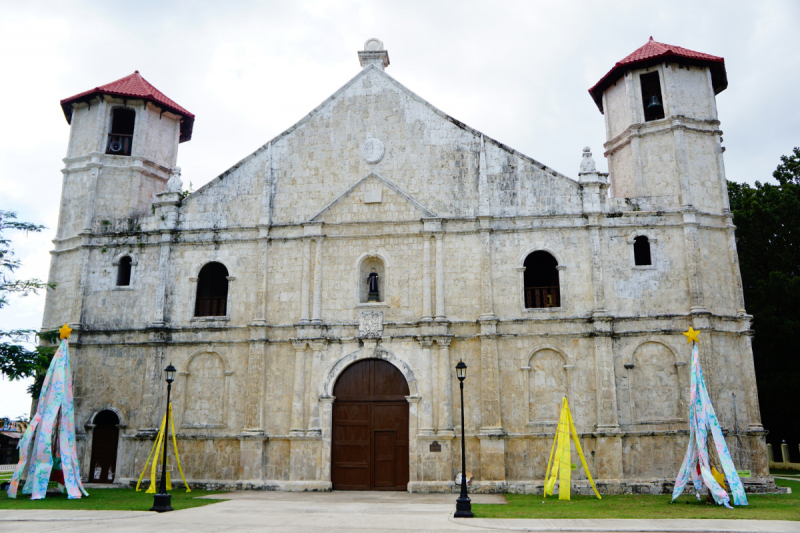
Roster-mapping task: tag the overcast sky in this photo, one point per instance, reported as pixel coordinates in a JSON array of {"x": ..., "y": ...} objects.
[{"x": 516, "y": 70}]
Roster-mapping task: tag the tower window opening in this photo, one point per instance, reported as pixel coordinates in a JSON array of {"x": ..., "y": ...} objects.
[
  {"x": 641, "y": 251},
  {"x": 212, "y": 291},
  {"x": 651, "y": 96},
  {"x": 124, "y": 272},
  {"x": 541, "y": 281},
  {"x": 120, "y": 139}
]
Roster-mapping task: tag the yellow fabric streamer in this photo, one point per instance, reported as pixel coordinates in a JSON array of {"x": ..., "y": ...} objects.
[
  {"x": 156, "y": 455},
  {"x": 560, "y": 457}
]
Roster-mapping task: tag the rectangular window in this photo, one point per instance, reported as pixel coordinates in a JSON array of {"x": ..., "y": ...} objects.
[{"x": 651, "y": 96}]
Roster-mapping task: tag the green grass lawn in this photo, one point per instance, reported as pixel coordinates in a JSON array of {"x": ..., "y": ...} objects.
[
  {"x": 762, "y": 507},
  {"x": 107, "y": 500},
  {"x": 784, "y": 472}
]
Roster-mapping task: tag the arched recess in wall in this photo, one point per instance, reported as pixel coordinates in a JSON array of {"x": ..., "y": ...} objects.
[
  {"x": 654, "y": 384},
  {"x": 364, "y": 266},
  {"x": 546, "y": 383},
  {"x": 105, "y": 442},
  {"x": 206, "y": 391}
]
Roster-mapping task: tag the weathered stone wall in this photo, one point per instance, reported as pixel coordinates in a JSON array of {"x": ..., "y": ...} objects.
[{"x": 376, "y": 176}]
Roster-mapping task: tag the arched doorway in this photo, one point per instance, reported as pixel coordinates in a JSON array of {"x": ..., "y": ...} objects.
[
  {"x": 105, "y": 436},
  {"x": 370, "y": 428}
]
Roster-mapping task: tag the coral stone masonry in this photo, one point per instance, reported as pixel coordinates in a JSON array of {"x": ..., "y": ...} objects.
[{"x": 316, "y": 297}]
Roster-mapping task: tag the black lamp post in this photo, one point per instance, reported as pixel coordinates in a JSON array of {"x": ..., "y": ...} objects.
[
  {"x": 463, "y": 504},
  {"x": 162, "y": 500}
]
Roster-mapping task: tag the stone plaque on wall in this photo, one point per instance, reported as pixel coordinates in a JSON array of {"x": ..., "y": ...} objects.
[{"x": 371, "y": 324}]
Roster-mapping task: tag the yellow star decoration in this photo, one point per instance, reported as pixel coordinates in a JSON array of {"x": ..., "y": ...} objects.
[
  {"x": 65, "y": 330},
  {"x": 691, "y": 335}
]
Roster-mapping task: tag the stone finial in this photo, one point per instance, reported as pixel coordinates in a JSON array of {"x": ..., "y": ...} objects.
[
  {"x": 374, "y": 54},
  {"x": 175, "y": 184},
  {"x": 587, "y": 163}
]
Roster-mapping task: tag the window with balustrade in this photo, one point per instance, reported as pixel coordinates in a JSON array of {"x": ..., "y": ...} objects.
[
  {"x": 542, "y": 289},
  {"x": 212, "y": 291},
  {"x": 120, "y": 139}
]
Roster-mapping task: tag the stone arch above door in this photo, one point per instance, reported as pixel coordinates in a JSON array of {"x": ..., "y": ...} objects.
[{"x": 361, "y": 354}]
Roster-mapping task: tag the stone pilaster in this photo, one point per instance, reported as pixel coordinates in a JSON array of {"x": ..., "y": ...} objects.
[
  {"x": 297, "y": 426},
  {"x": 316, "y": 317},
  {"x": 427, "y": 404},
  {"x": 487, "y": 305},
  {"x": 491, "y": 419},
  {"x": 305, "y": 282},
  {"x": 166, "y": 209},
  {"x": 427, "y": 313},
  {"x": 692, "y": 253},
  {"x": 315, "y": 381},
  {"x": 440, "y": 313},
  {"x": 326, "y": 416},
  {"x": 255, "y": 385},
  {"x": 445, "y": 388}
]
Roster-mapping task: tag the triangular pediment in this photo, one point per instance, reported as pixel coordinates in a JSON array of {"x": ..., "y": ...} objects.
[{"x": 373, "y": 198}]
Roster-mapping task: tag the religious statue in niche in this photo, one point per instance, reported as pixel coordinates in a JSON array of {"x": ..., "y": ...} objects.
[{"x": 372, "y": 285}]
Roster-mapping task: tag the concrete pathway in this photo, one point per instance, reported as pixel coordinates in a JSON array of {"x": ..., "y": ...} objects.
[{"x": 336, "y": 512}]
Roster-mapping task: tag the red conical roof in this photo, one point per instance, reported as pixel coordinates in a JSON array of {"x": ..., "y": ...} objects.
[
  {"x": 134, "y": 86},
  {"x": 653, "y": 53}
]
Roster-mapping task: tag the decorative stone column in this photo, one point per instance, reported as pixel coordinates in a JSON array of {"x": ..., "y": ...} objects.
[
  {"x": 298, "y": 398},
  {"x": 305, "y": 282},
  {"x": 426, "y": 408},
  {"x": 487, "y": 306},
  {"x": 316, "y": 317},
  {"x": 326, "y": 408},
  {"x": 445, "y": 424},
  {"x": 317, "y": 349},
  {"x": 426, "y": 278},
  {"x": 440, "y": 314}
]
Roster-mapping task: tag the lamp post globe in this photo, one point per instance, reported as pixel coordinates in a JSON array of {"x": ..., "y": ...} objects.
[
  {"x": 463, "y": 503},
  {"x": 162, "y": 501}
]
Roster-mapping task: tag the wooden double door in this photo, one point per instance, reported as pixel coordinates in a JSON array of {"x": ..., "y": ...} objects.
[{"x": 370, "y": 428}]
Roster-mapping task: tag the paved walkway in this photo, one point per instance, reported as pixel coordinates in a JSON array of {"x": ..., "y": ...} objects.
[{"x": 336, "y": 512}]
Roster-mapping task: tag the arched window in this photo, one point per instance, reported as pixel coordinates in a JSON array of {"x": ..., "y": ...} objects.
[
  {"x": 641, "y": 251},
  {"x": 124, "y": 271},
  {"x": 120, "y": 139},
  {"x": 212, "y": 291},
  {"x": 541, "y": 281}
]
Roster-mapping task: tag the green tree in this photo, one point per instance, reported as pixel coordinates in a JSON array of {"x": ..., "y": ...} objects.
[
  {"x": 767, "y": 219},
  {"x": 17, "y": 361}
]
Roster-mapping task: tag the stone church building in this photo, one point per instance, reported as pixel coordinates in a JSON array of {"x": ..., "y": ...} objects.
[{"x": 297, "y": 370}]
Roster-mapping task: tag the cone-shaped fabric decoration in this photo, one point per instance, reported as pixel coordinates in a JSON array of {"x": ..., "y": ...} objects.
[
  {"x": 156, "y": 456},
  {"x": 36, "y": 446},
  {"x": 696, "y": 462},
  {"x": 562, "y": 465}
]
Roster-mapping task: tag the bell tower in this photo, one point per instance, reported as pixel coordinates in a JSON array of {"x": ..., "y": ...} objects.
[
  {"x": 662, "y": 131},
  {"x": 123, "y": 146}
]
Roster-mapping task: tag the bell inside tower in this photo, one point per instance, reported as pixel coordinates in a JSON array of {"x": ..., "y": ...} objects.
[{"x": 651, "y": 96}]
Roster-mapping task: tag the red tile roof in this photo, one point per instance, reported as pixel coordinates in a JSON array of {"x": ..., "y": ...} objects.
[
  {"x": 653, "y": 53},
  {"x": 134, "y": 86}
]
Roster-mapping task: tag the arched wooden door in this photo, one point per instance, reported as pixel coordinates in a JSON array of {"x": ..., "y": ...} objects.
[
  {"x": 105, "y": 437},
  {"x": 370, "y": 428}
]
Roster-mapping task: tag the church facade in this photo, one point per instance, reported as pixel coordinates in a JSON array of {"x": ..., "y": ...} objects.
[{"x": 316, "y": 297}]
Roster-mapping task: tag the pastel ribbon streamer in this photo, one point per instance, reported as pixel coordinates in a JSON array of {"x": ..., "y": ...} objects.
[
  {"x": 36, "y": 453},
  {"x": 702, "y": 418}
]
